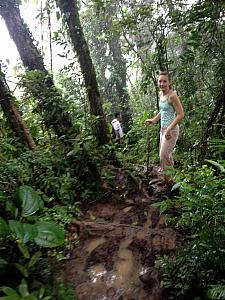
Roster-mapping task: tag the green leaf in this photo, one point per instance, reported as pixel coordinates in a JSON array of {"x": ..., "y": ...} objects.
[
  {"x": 176, "y": 186},
  {"x": 24, "y": 232},
  {"x": 34, "y": 259},
  {"x": 24, "y": 250},
  {"x": 4, "y": 228},
  {"x": 9, "y": 291},
  {"x": 156, "y": 204},
  {"x": 49, "y": 235},
  {"x": 28, "y": 200},
  {"x": 216, "y": 164},
  {"x": 163, "y": 207},
  {"x": 23, "y": 289},
  {"x": 41, "y": 292},
  {"x": 23, "y": 270}
]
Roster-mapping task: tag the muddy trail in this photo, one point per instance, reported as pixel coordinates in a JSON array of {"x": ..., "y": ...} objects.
[{"x": 119, "y": 239}]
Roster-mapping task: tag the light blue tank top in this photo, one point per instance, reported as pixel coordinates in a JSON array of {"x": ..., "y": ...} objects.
[{"x": 167, "y": 113}]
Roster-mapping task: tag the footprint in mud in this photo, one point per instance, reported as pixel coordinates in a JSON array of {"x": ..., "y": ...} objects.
[{"x": 120, "y": 279}]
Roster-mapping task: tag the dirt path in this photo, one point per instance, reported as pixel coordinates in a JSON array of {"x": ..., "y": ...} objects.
[{"x": 119, "y": 242}]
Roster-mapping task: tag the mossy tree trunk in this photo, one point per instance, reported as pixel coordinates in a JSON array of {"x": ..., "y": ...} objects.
[
  {"x": 69, "y": 9},
  {"x": 13, "y": 116},
  {"x": 52, "y": 107}
]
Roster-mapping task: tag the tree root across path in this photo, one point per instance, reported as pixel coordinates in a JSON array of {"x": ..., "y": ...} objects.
[{"x": 118, "y": 244}]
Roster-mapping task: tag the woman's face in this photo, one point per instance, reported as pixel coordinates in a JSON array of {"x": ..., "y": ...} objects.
[{"x": 164, "y": 83}]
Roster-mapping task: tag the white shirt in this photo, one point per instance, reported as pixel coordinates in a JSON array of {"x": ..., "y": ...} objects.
[{"x": 116, "y": 126}]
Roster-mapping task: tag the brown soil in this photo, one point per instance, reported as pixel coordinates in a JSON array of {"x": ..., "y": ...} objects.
[{"x": 119, "y": 240}]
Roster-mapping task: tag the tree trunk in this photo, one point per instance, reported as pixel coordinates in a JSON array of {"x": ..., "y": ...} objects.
[
  {"x": 114, "y": 87},
  {"x": 120, "y": 74},
  {"x": 220, "y": 102},
  {"x": 57, "y": 118},
  {"x": 13, "y": 116},
  {"x": 69, "y": 10}
]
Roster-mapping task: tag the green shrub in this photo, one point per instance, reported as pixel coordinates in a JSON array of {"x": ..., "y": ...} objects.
[{"x": 199, "y": 263}]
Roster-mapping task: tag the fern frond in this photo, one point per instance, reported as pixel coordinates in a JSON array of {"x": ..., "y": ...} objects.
[{"x": 216, "y": 292}]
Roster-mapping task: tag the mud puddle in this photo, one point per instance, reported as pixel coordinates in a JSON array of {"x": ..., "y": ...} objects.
[{"x": 117, "y": 251}]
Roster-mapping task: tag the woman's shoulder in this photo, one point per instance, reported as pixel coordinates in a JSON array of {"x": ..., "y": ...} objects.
[{"x": 173, "y": 96}]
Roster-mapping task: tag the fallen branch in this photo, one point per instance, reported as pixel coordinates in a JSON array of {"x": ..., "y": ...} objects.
[{"x": 96, "y": 228}]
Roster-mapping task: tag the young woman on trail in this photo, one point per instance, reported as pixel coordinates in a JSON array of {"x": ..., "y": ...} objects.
[{"x": 170, "y": 114}]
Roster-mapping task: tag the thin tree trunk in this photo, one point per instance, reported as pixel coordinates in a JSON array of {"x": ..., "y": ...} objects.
[
  {"x": 121, "y": 73},
  {"x": 13, "y": 116},
  {"x": 52, "y": 107},
  {"x": 69, "y": 10},
  {"x": 114, "y": 87},
  {"x": 220, "y": 100}
]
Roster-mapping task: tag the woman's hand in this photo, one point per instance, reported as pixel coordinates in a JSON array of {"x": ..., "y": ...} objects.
[
  {"x": 149, "y": 121},
  {"x": 168, "y": 134},
  {"x": 153, "y": 120}
]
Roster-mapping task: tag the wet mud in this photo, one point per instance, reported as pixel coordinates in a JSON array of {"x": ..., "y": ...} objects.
[{"x": 118, "y": 242}]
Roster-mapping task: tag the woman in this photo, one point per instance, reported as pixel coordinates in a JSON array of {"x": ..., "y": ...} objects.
[{"x": 171, "y": 112}]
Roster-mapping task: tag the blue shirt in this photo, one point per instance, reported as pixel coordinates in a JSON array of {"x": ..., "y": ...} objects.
[{"x": 167, "y": 113}]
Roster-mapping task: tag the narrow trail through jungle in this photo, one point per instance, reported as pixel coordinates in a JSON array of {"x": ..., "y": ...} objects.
[{"x": 119, "y": 239}]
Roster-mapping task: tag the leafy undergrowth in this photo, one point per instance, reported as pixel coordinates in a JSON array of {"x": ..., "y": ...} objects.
[
  {"x": 197, "y": 271},
  {"x": 40, "y": 192},
  {"x": 41, "y": 196},
  {"x": 25, "y": 238}
]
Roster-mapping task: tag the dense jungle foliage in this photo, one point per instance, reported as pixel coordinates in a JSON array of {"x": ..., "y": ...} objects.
[{"x": 51, "y": 160}]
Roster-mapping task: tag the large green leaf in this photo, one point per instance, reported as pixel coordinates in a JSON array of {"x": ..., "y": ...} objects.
[
  {"x": 24, "y": 232},
  {"x": 49, "y": 235},
  {"x": 4, "y": 228},
  {"x": 23, "y": 288},
  {"x": 23, "y": 269},
  {"x": 28, "y": 200},
  {"x": 11, "y": 293}
]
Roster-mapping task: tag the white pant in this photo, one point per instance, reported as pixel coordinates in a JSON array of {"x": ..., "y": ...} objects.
[{"x": 167, "y": 146}]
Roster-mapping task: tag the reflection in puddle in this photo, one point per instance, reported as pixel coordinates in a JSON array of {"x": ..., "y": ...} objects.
[
  {"x": 125, "y": 243},
  {"x": 142, "y": 234},
  {"x": 94, "y": 244},
  {"x": 123, "y": 277},
  {"x": 124, "y": 266},
  {"x": 125, "y": 262},
  {"x": 96, "y": 273}
]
